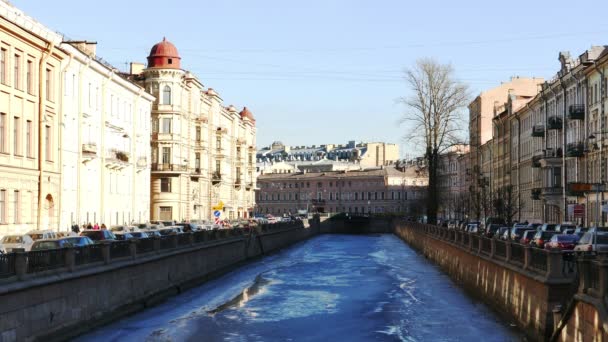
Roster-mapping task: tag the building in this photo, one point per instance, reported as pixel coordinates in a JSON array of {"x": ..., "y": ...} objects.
[
  {"x": 452, "y": 183},
  {"x": 364, "y": 154},
  {"x": 379, "y": 190},
  {"x": 481, "y": 113},
  {"x": 202, "y": 151},
  {"x": 105, "y": 145},
  {"x": 31, "y": 62}
]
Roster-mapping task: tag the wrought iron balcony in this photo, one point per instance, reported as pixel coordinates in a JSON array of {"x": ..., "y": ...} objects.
[
  {"x": 216, "y": 177},
  {"x": 535, "y": 195},
  {"x": 169, "y": 167},
  {"x": 89, "y": 148},
  {"x": 237, "y": 183},
  {"x": 536, "y": 158},
  {"x": 554, "y": 122},
  {"x": 551, "y": 157},
  {"x": 576, "y": 112},
  {"x": 574, "y": 150},
  {"x": 555, "y": 190},
  {"x": 538, "y": 130},
  {"x": 577, "y": 189},
  {"x": 249, "y": 186}
]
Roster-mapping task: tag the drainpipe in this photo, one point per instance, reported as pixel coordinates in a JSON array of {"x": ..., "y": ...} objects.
[
  {"x": 81, "y": 70},
  {"x": 41, "y": 104},
  {"x": 519, "y": 169},
  {"x": 576, "y": 161},
  {"x": 60, "y": 138},
  {"x": 564, "y": 170}
]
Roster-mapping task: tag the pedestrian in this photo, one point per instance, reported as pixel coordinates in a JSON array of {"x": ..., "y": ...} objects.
[
  {"x": 96, "y": 226},
  {"x": 89, "y": 226},
  {"x": 103, "y": 226},
  {"x": 75, "y": 228}
]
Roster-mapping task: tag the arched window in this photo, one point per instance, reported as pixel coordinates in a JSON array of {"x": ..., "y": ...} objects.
[{"x": 167, "y": 95}]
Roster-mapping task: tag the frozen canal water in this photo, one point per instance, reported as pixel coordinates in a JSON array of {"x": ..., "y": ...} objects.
[{"x": 329, "y": 288}]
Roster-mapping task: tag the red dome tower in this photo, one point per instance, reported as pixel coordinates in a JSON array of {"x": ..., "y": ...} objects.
[{"x": 164, "y": 55}]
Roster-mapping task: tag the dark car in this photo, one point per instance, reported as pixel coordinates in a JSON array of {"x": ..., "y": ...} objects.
[
  {"x": 548, "y": 227},
  {"x": 564, "y": 226},
  {"x": 527, "y": 237},
  {"x": 123, "y": 236},
  {"x": 517, "y": 233},
  {"x": 41, "y": 245},
  {"x": 99, "y": 235},
  {"x": 492, "y": 229},
  {"x": 534, "y": 226},
  {"x": 80, "y": 241},
  {"x": 188, "y": 227},
  {"x": 562, "y": 242},
  {"x": 139, "y": 235},
  {"x": 540, "y": 238},
  {"x": 500, "y": 232}
]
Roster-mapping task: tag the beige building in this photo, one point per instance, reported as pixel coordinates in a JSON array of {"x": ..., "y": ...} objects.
[
  {"x": 30, "y": 107},
  {"x": 202, "y": 152},
  {"x": 452, "y": 183}
]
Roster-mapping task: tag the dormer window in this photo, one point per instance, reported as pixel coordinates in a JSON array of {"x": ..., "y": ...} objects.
[{"x": 170, "y": 61}]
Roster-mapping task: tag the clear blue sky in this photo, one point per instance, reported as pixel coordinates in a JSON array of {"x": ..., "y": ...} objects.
[{"x": 323, "y": 71}]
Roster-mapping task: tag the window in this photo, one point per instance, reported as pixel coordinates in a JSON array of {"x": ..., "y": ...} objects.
[
  {"x": 28, "y": 139},
  {"x": 218, "y": 142},
  {"x": 3, "y": 206},
  {"x": 218, "y": 165},
  {"x": 16, "y": 136},
  {"x": 197, "y": 161},
  {"x": 29, "y": 81},
  {"x": 198, "y": 133},
  {"x": 17, "y": 76},
  {"x": 2, "y": 132},
  {"x": 166, "y": 155},
  {"x": 48, "y": 143},
  {"x": 3, "y": 65},
  {"x": 167, "y": 95},
  {"x": 16, "y": 214},
  {"x": 166, "y": 125},
  {"x": 165, "y": 213},
  {"x": 49, "y": 84},
  {"x": 165, "y": 185}
]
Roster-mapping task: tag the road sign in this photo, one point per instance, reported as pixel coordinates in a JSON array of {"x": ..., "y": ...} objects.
[
  {"x": 217, "y": 220},
  {"x": 219, "y": 206},
  {"x": 579, "y": 210},
  {"x": 217, "y": 213}
]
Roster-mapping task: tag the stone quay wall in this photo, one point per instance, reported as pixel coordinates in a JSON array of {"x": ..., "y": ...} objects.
[
  {"x": 519, "y": 287},
  {"x": 62, "y": 303}
]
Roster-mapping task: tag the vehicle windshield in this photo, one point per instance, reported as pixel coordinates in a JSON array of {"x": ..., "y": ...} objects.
[
  {"x": 567, "y": 238},
  {"x": 46, "y": 245},
  {"x": 12, "y": 239},
  {"x": 36, "y": 236},
  {"x": 602, "y": 239},
  {"x": 94, "y": 235}
]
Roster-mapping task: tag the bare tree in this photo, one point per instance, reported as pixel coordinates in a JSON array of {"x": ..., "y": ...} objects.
[{"x": 433, "y": 110}]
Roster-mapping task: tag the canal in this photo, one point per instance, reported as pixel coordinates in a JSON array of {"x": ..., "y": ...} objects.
[{"x": 329, "y": 288}]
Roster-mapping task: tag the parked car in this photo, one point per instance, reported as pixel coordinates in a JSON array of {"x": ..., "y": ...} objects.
[
  {"x": 153, "y": 233},
  {"x": 540, "y": 238},
  {"x": 527, "y": 237},
  {"x": 171, "y": 230},
  {"x": 564, "y": 226},
  {"x": 99, "y": 235},
  {"x": 562, "y": 242},
  {"x": 44, "y": 244},
  {"x": 517, "y": 233},
  {"x": 140, "y": 235},
  {"x": 41, "y": 234},
  {"x": 500, "y": 232},
  {"x": 65, "y": 234},
  {"x": 548, "y": 227},
  {"x": 123, "y": 236},
  {"x": 492, "y": 229},
  {"x": 124, "y": 228},
  {"x": 592, "y": 241},
  {"x": 18, "y": 242},
  {"x": 534, "y": 226},
  {"x": 80, "y": 241},
  {"x": 188, "y": 227},
  {"x": 570, "y": 231},
  {"x": 472, "y": 227}
]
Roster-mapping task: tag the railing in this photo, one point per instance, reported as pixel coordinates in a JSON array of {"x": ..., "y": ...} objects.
[
  {"x": 7, "y": 265},
  {"x": 518, "y": 253},
  {"x": 486, "y": 245},
  {"x": 38, "y": 261},
  {"x": 88, "y": 254},
  {"x": 500, "y": 248},
  {"x": 145, "y": 245},
  {"x": 120, "y": 249},
  {"x": 575, "y": 149},
  {"x": 538, "y": 259},
  {"x": 23, "y": 265},
  {"x": 576, "y": 112},
  {"x": 169, "y": 167}
]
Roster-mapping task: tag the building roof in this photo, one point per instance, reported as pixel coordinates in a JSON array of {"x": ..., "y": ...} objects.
[
  {"x": 246, "y": 113},
  {"x": 409, "y": 172},
  {"x": 164, "y": 55}
]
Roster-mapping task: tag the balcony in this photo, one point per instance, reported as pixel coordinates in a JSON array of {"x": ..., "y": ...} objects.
[
  {"x": 538, "y": 130},
  {"x": 575, "y": 150},
  {"x": 202, "y": 119},
  {"x": 551, "y": 157},
  {"x": 200, "y": 144},
  {"x": 536, "y": 158},
  {"x": 241, "y": 141},
  {"x": 158, "y": 167},
  {"x": 536, "y": 194},
  {"x": 221, "y": 130},
  {"x": 116, "y": 159},
  {"x": 165, "y": 136},
  {"x": 237, "y": 183},
  {"x": 249, "y": 186},
  {"x": 198, "y": 172},
  {"x": 577, "y": 189},
  {"x": 216, "y": 178},
  {"x": 219, "y": 152},
  {"x": 576, "y": 112},
  {"x": 554, "y": 122},
  {"x": 552, "y": 191},
  {"x": 89, "y": 152}
]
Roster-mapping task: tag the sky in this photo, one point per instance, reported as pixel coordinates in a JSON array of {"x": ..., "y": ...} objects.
[{"x": 331, "y": 71}]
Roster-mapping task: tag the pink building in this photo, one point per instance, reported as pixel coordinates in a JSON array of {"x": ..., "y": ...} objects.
[{"x": 381, "y": 190}]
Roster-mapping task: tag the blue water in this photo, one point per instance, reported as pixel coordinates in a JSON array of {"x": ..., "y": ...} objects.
[{"x": 329, "y": 288}]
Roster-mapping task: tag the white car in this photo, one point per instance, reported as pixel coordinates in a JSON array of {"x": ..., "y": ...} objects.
[
  {"x": 41, "y": 234},
  {"x": 15, "y": 241}
]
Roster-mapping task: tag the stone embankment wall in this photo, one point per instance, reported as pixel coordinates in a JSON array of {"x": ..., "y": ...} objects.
[
  {"x": 522, "y": 294},
  {"x": 357, "y": 225},
  {"x": 66, "y": 303}
]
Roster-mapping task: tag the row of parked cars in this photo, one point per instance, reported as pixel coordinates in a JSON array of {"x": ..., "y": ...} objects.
[{"x": 565, "y": 237}]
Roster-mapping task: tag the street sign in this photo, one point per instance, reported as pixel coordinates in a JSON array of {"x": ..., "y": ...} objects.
[
  {"x": 579, "y": 210},
  {"x": 219, "y": 206},
  {"x": 217, "y": 213}
]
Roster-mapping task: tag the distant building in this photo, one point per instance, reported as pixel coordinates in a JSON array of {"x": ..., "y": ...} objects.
[
  {"x": 379, "y": 190},
  {"x": 452, "y": 182},
  {"x": 364, "y": 154}
]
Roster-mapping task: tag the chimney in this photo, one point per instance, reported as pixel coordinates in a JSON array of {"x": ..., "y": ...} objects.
[
  {"x": 136, "y": 68},
  {"x": 90, "y": 48}
]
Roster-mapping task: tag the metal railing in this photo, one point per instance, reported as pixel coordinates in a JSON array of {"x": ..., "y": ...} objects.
[
  {"x": 38, "y": 261},
  {"x": 120, "y": 249},
  {"x": 518, "y": 253},
  {"x": 167, "y": 242},
  {"x": 7, "y": 265},
  {"x": 144, "y": 245},
  {"x": 88, "y": 254},
  {"x": 500, "y": 248},
  {"x": 538, "y": 259},
  {"x": 486, "y": 245}
]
